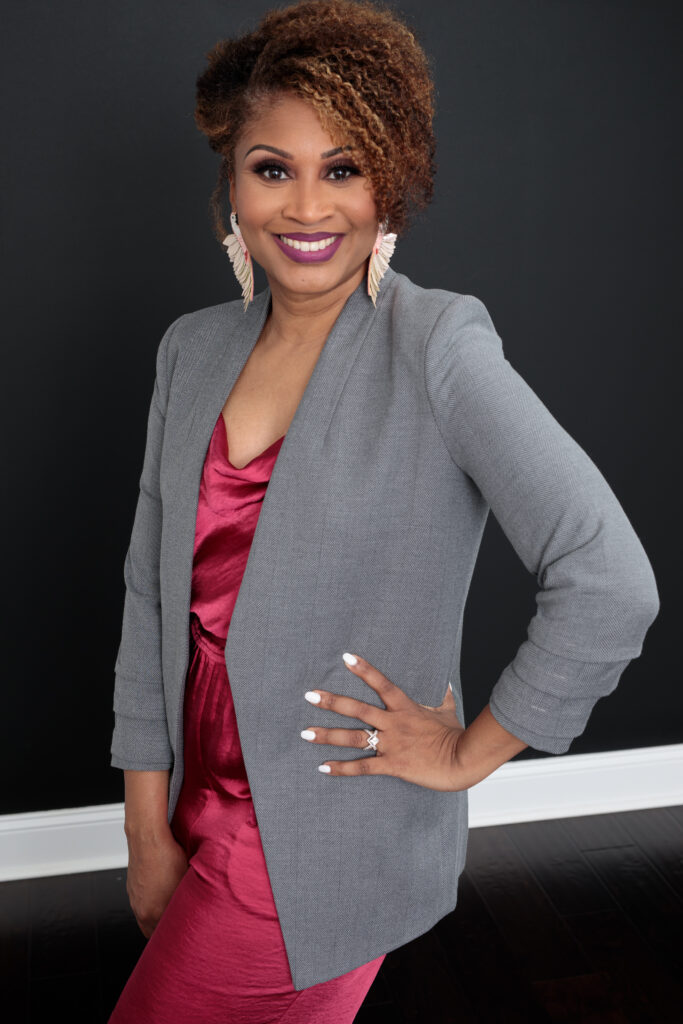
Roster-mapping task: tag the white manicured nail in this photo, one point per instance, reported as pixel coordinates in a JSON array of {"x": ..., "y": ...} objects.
[
  {"x": 350, "y": 659},
  {"x": 324, "y": 768},
  {"x": 307, "y": 734},
  {"x": 314, "y": 698}
]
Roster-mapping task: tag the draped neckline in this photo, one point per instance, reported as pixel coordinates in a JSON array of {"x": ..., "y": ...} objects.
[{"x": 226, "y": 447}]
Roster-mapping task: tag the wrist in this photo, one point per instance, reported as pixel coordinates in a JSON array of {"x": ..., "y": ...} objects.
[
  {"x": 145, "y": 831},
  {"x": 486, "y": 745}
]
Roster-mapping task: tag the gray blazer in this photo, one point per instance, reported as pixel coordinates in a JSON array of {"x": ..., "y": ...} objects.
[{"x": 412, "y": 425}]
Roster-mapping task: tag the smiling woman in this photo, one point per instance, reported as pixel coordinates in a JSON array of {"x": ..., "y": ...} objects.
[
  {"x": 320, "y": 462},
  {"x": 323, "y": 119}
]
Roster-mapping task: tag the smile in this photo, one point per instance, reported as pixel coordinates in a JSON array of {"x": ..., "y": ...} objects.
[
  {"x": 320, "y": 249},
  {"x": 308, "y": 246}
]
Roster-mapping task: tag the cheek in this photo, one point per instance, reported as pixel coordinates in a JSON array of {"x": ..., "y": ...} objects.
[
  {"x": 364, "y": 219},
  {"x": 254, "y": 205},
  {"x": 360, "y": 203}
]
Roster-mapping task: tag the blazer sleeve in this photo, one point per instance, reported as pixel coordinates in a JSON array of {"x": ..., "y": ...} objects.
[
  {"x": 140, "y": 739},
  {"x": 597, "y": 592}
]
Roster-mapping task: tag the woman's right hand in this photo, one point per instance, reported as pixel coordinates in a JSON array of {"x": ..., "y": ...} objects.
[{"x": 155, "y": 867}]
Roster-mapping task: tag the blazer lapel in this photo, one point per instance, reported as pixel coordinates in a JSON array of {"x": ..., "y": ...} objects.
[{"x": 271, "y": 617}]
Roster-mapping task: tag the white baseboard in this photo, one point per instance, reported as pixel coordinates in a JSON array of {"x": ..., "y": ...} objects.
[{"x": 92, "y": 839}]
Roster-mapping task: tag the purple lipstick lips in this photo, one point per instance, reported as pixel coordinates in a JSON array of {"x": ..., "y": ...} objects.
[{"x": 299, "y": 256}]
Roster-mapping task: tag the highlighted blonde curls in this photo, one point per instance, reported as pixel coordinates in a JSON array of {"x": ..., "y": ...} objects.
[{"x": 362, "y": 70}]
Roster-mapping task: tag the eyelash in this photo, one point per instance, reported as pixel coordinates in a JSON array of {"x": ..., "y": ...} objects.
[{"x": 273, "y": 164}]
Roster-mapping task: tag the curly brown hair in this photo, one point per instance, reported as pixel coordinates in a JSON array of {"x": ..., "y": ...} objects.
[{"x": 363, "y": 71}]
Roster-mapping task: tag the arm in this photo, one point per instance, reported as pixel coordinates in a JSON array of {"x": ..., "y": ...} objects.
[
  {"x": 140, "y": 739},
  {"x": 597, "y": 593},
  {"x": 485, "y": 745},
  {"x": 146, "y": 807}
]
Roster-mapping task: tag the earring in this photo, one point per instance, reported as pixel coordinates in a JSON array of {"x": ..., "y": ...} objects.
[
  {"x": 382, "y": 251},
  {"x": 241, "y": 260}
]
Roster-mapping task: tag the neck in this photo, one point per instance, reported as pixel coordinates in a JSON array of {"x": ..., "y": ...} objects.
[{"x": 299, "y": 321}]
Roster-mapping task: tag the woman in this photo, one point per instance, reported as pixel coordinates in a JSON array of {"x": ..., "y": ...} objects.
[{"x": 327, "y": 451}]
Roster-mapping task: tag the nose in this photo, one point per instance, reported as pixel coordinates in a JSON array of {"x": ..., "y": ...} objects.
[{"x": 308, "y": 202}]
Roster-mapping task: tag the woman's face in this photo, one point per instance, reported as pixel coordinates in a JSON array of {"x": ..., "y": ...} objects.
[{"x": 303, "y": 194}]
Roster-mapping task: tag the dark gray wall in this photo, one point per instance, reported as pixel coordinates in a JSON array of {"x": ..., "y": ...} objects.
[{"x": 559, "y": 177}]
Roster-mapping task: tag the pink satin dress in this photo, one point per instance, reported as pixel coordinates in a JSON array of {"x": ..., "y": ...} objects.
[{"x": 217, "y": 955}]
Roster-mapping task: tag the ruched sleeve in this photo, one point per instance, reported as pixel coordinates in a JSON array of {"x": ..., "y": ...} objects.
[
  {"x": 140, "y": 738},
  {"x": 597, "y": 593}
]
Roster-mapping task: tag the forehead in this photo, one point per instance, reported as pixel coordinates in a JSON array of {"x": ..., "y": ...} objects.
[{"x": 289, "y": 123}]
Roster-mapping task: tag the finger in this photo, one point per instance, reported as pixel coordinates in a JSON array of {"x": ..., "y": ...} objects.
[
  {"x": 350, "y": 707},
  {"x": 358, "y": 766},
  {"x": 392, "y": 695},
  {"x": 337, "y": 737}
]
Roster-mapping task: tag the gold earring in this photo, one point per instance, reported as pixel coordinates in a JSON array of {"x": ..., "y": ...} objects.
[
  {"x": 382, "y": 251},
  {"x": 241, "y": 260}
]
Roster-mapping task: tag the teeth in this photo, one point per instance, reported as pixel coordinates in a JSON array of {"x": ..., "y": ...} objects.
[{"x": 308, "y": 246}]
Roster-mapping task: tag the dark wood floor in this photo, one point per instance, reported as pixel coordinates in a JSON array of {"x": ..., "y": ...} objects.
[{"x": 572, "y": 920}]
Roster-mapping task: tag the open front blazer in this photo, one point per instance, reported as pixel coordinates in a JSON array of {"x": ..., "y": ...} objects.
[{"x": 412, "y": 426}]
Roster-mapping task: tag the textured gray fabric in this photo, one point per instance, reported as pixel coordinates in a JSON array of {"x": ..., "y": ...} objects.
[{"x": 412, "y": 426}]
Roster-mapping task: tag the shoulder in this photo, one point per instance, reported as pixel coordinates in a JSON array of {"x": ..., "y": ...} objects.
[
  {"x": 444, "y": 318},
  {"x": 189, "y": 328},
  {"x": 194, "y": 335},
  {"x": 455, "y": 337}
]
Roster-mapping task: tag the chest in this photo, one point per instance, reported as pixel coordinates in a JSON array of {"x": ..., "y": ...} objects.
[
  {"x": 362, "y": 465},
  {"x": 264, "y": 399}
]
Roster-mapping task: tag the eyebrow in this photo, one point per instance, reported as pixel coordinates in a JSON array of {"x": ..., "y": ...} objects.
[{"x": 288, "y": 156}]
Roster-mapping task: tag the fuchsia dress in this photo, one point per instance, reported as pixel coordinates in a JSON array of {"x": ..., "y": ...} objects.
[{"x": 217, "y": 955}]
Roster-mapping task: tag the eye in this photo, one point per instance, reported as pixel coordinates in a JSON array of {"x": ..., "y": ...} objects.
[
  {"x": 343, "y": 167},
  {"x": 265, "y": 166},
  {"x": 268, "y": 165}
]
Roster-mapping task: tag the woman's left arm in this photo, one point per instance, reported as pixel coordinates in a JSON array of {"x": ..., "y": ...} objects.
[{"x": 597, "y": 592}]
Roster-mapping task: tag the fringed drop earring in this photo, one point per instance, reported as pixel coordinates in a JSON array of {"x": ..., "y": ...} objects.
[
  {"x": 382, "y": 251},
  {"x": 241, "y": 260}
]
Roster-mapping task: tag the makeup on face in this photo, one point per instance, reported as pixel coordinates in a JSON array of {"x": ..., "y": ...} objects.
[{"x": 329, "y": 189}]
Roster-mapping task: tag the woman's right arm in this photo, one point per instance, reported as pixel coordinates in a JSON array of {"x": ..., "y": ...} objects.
[
  {"x": 140, "y": 742},
  {"x": 140, "y": 739}
]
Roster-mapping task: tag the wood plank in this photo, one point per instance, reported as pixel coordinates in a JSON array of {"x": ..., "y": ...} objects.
[
  {"x": 75, "y": 998},
  {"x": 676, "y": 813},
  {"x": 641, "y": 987},
  {"x": 586, "y": 998},
  {"x": 423, "y": 986},
  {"x": 596, "y": 831},
  {"x": 486, "y": 964},
  {"x": 544, "y": 947},
  {"x": 119, "y": 938},
  {"x": 14, "y": 929},
  {"x": 645, "y": 898},
  {"x": 559, "y": 867},
  {"x": 660, "y": 837},
  {"x": 63, "y": 935}
]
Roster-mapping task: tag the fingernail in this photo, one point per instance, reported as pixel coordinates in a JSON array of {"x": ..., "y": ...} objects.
[
  {"x": 313, "y": 697},
  {"x": 324, "y": 768},
  {"x": 307, "y": 734},
  {"x": 350, "y": 659}
]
